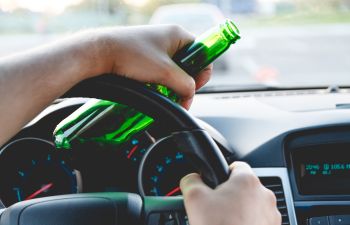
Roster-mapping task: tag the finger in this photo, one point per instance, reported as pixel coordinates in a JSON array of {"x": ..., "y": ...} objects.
[
  {"x": 179, "y": 81},
  {"x": 192, "y": 186},
  {"x": 204, "y": 76},
  {"x": 184, "y": 38},
  {"x": 240, "y": 167},
  {"x": 243, "y": 175},
  {"x": 200, "y": 80},
  {"x": 186, "y": 103}
]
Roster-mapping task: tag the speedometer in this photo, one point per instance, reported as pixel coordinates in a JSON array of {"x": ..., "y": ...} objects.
[
  {"x": 30, "y": 168},
  {"x": 161, "y": 171}
]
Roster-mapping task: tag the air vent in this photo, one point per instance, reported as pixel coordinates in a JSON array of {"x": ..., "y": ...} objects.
[{"x": 275, "y": 185}]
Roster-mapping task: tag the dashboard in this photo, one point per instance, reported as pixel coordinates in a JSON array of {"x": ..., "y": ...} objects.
[
  {"x": 32, "y": 167},
  {"x": 297, "y": 141}
]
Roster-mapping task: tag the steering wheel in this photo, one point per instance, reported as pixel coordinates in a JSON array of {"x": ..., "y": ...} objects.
[{"x": 118, "y": 208}]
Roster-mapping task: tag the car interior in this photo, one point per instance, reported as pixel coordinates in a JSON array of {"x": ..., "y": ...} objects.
[{"x": 287, "y": 116}]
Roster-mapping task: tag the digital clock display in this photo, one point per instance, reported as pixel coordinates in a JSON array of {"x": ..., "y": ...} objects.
[{"x": 323, "y": 169}]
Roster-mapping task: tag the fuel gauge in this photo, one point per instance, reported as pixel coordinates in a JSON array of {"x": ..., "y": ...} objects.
[{"x": 136, "y": 148}]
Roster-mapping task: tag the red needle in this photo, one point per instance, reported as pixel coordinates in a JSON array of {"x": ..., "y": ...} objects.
[
  {"x": 132, "y": 151},
  {"x": 41, "y": 190},
  {"x": 173, "y": 191}
]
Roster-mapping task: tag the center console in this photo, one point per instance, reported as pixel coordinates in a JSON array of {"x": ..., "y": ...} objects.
[
  {"x": 322, "y": 169},
  {"x": 318, "y": 162}
]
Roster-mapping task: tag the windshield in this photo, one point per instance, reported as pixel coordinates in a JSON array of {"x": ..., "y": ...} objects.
[{"x": 285, "y": 43}]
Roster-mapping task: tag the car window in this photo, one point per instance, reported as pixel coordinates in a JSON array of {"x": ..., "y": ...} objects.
[{"x": 285, "y": 43}]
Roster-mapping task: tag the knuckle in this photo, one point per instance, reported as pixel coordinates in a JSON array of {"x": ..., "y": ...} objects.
[
  {"x": 190, "y": 86},
  {"x": 165, "y": 73},
  {"x": 196, "y": 192},
  {"x": 277, "y": 218},
  {"x": 179, "y": 32},
  {"x": 271, "y": 198},
  {"x": 240, "y": 164},
  {"x": 247, "y": 179},
  {"x": 176, "y": 29}
]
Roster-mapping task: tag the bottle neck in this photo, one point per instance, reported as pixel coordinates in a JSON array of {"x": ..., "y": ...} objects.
[{"x": 230, "y": 31}]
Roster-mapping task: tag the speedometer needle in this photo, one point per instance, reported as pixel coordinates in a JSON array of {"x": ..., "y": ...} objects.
[
  {"x": 132, "y": 151},
  {"x": 41, "y": 190},
  {"x": 172, "y": 192}
]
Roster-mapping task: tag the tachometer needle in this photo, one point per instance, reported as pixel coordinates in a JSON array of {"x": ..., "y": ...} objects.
[
  {"x": 41, "y": 190},
  {"x": 170, "y": 193},
  {"x": 132, "y": 151}
]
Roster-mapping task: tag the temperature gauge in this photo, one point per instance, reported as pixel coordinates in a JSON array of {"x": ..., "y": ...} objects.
[{"x": 136, "y": 148}]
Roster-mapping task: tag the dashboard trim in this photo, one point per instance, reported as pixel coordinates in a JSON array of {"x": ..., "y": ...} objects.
[
  {"x": 282, "y": 173},
  {"x": 321, "y": 203}
]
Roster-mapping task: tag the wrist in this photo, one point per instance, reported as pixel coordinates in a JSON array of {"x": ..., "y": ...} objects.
[
  {"x": 89, "y": 52},
  {"x": 98, "y": 53}
]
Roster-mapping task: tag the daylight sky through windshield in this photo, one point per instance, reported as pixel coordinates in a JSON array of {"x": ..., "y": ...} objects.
[{"x": 284, "y": 42}]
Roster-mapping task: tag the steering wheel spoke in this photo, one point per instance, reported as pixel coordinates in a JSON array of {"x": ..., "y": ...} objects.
[
  {"x": 164, "y": 211},
  {"x": 76, "y": 209}
]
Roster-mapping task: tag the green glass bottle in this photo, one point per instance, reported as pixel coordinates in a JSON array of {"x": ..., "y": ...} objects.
[
  {"x": 111, "y": 123},
  {"x": 204, "y": 50}
]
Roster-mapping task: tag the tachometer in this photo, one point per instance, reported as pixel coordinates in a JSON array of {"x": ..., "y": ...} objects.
[
  {"x": 30, "y": 168},
  {"x": 161, "y": 171}
]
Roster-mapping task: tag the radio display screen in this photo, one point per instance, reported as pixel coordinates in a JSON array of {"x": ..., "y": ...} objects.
[{"x": 323, "y": 170}]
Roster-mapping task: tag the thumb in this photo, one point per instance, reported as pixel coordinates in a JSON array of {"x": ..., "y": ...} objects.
[
  {"x": 193, "y": 187},
  {"x": 194, "y": 192}
]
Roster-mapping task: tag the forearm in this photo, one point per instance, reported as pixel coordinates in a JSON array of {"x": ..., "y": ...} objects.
[{"x": 32, "y": 80}]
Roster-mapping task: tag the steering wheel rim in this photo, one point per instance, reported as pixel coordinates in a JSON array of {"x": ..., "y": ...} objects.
[
  {"x": 135, "y": 94},
  {"x": 184, "y": 132}
]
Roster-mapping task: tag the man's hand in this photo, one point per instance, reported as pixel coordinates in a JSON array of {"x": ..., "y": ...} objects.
[
  {"x": 30, "y": 81},
  {"x": 242, "y": 200},
  {"x": 144, "y": 53}
]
